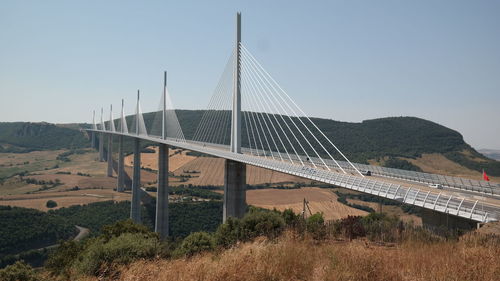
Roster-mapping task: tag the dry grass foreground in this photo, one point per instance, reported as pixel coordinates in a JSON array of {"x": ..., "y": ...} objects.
[{"x": 291, "y": 258}]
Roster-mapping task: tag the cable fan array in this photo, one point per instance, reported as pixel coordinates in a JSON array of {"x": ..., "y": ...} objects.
[
  {"x": 169, "y": 128},
  {"x": 273, "y": 126},
  {"x": 172, "y": 129}
]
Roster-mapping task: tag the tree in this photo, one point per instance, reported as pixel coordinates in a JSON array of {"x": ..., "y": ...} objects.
[
  {"x": 196, "y": 242},
  {"x": 20, "y": 271},
  {"x": 51, "y": 204},
  {"x": 315, "y": 225}
]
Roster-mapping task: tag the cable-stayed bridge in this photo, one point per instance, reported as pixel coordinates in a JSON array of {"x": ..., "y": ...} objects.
[{"x": 251, "y": 120}]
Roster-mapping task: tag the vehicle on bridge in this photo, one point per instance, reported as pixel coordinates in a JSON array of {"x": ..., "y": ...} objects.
[{"x": 436, "y": 185}]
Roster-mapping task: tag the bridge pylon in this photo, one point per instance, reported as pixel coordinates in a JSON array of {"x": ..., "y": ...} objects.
[
  {"x": 92, "y": 134},
  {"x": 161, "y": 224},
  {"x": 135, "y": 208},
  {"x": 235, "y": 172},
  {"x": 101, "y": 139},
  {"x": 120, "y": 183},
  {"x": 110, "y": 144}
]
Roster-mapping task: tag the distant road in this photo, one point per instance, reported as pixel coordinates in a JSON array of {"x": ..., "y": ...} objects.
[{"x": 82, "y": 233}]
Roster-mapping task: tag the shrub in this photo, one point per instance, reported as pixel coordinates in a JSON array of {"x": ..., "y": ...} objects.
[
  {"x": 290, "y": 218},
  {"x": 260, "y": 222},
  {"x": 20, "y": 271},
  {"x": 379, "y": 226},
  {"x": 60, "y": 261},
  {"x": 195, "y": 243},
  {"x": 315, "y": 225},
  {"x": 228, "y": 233},
  {"x": 125, "y": 226},
  {"x": 51, "y": 204},
  {"x": 352, "y": 227},
  {"x": 118, "y": 250}
]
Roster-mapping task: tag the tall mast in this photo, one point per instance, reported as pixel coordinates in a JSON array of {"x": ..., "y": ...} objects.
[
  {"x": 137, "y": 114},
  {"x": 164, "y": 113},
  {"x": 236, "y": 108}
]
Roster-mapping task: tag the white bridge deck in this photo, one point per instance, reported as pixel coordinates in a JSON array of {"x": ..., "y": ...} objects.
[{"x": 465, "y": 204}]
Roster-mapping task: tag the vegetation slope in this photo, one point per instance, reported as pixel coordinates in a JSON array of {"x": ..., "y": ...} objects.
[
  {"x": 26, "y": 136},
  {"x": 271, "y": 245}
]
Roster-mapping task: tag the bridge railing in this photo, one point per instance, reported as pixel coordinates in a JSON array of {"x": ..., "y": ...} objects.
[
  {"x": 420, "y": 177},
  {"x": 484, "y": 187},
  {"x": 409, "y": 195},
  {"x": 427, "y": 178}
]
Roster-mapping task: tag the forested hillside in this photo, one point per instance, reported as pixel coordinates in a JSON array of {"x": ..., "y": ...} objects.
[
  {"x": 391, "y": 137},
  {"x": 23, "y": 229},
  {"x": 27, "y": 136}
]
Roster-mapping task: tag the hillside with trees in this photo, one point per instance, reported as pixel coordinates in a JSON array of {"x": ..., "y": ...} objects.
[
  {"x": 23, "y": 137},
  {"x": 392, "y": 137},
  {"x": 22, "y": 229}
]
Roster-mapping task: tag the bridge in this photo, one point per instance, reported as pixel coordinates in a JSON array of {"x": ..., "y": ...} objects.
[{"x": 251, "y": 120}]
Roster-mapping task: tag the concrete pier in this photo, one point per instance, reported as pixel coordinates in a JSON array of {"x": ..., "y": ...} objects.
[
  {"x": 92, "y": 140},
  {"x": 110, "y": 155},
  {"x": 101, "y": 147},
  {"x": 234, "y": 189},
  {"x": 120, "y": 183},
  {"x": 235, "y": 172},
  {"x": 135, "y": 210},
  {"x": 161, "y": 225}
]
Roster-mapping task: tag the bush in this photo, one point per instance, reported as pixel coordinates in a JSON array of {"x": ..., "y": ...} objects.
[
  {"x": 19, "y": 271},
  {"x": 315, "y": 225},
  {"x": 195, "y": 243},
  {"x": 379, "y": 226},
  {"x": 51, "y": 204},
  {"x": 228, "y": 233},
  {"x": 259, "y": 222},
  {"x": 352, "y": 227},
  {"x": 123, "y": 249},
  {"x": 125, "y": 226},
  {"x": 60, "y": 261},
  {"x": 290, "y": 218}
]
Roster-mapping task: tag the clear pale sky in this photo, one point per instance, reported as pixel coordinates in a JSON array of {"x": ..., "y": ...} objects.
[{"x": 343, "y": 60}]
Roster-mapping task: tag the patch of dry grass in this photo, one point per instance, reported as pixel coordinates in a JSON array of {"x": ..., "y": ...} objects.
[
  {"x": 320, "y": 200},
  {"x": 291, "y": 258}
]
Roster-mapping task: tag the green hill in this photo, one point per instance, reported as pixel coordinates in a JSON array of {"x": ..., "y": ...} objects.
[
  {"x": 370, "y": 139},
  {"x": 23, "y": 229},
  {"x": 407, "y": 137},
  {"x": 27, "y": 136}
]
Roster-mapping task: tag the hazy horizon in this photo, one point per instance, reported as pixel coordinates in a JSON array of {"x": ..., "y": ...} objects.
[{"x": 346, "y": 61}]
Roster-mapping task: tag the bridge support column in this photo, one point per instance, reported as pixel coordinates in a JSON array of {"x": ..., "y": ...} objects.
[
  {"x": 92, "y": 140},
  {"x": 110, "y": 155},
  {"x": 234, "y": 190},
  {"x": 101, "y": 147},
  {"x": 161, "y": 226},
  {"x": 120, "y": 187},
  {"x": 135, "y": 208}
]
